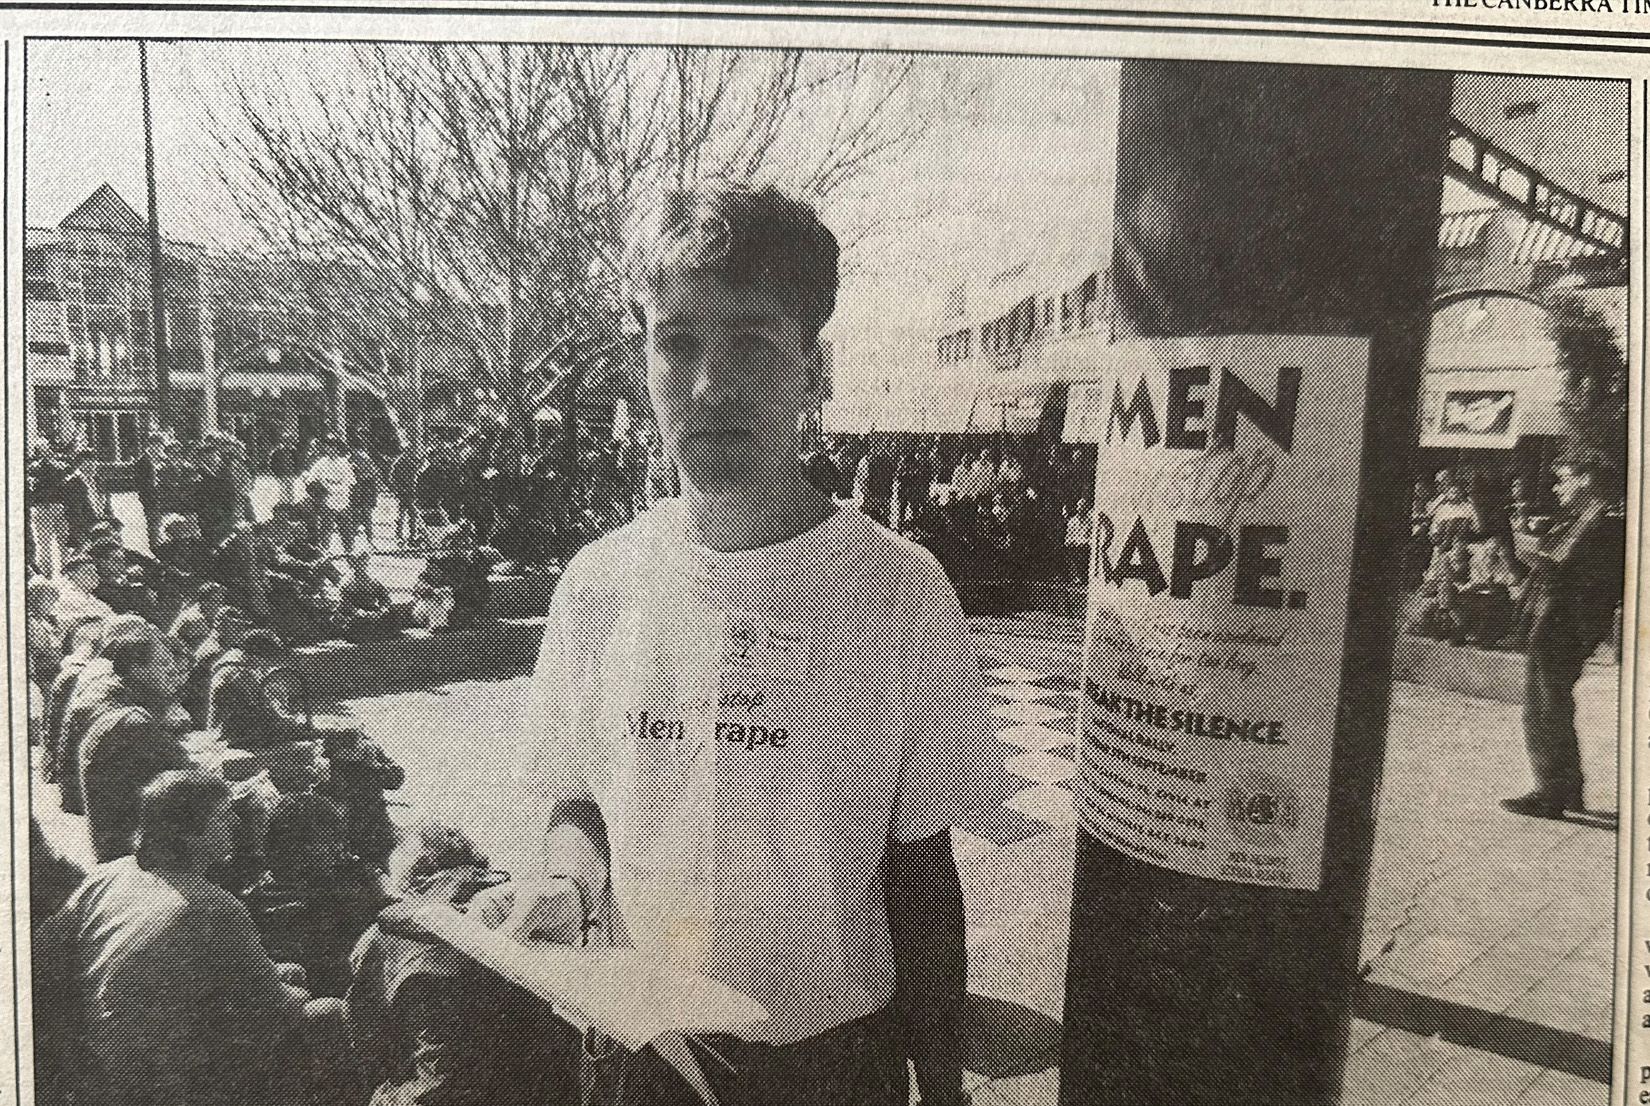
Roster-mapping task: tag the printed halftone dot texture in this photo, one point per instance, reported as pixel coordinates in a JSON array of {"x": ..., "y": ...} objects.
[{"x": 1573, "y": 131}]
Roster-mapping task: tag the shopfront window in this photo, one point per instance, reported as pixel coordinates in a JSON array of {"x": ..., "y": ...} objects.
[{"x": 115, "y": 436}]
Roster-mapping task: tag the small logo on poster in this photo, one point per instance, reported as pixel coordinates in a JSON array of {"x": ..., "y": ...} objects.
[{"x": 1261, "y": 807}]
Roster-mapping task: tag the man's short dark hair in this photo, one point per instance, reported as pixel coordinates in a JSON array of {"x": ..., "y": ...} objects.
[
  {"x": 172, "y": 808},
  {"x": 1605, "y": 476},
  {"x": 743, "y": 237}
]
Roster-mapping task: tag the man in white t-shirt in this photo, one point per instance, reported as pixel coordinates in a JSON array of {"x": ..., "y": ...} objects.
[
  {"x": 333, "y": 469},
  {"x": 757, "y": 715}
]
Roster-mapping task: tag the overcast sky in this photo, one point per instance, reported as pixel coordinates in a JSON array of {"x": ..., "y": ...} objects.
[{"x": 1022, "y": 167}]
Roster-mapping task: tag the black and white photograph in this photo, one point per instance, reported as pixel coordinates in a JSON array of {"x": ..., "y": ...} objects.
[{"x": 658, "y": 569}]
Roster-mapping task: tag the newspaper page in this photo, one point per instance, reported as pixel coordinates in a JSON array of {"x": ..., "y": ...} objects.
[{"x": 831, "y": 553}]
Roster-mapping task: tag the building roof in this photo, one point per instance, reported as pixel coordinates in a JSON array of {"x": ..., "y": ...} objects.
[{"x": 105, "y": 210}]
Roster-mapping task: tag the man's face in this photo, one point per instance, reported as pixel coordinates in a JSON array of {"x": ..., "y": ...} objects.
[
  {"x": 1572, "y": 485},
  {"x": 729, "y": 373},
  {"x": 162, "y": 675}
]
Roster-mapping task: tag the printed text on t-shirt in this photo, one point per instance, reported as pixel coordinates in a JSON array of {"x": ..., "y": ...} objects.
[{"x": 644, "y": 726}]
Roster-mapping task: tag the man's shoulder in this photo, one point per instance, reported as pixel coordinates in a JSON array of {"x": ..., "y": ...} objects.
[
  {"x": 610, "y": 562},
  {"x": 869, "y": 542}
]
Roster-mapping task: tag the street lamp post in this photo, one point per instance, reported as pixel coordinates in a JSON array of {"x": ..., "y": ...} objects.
[
  {"x": 157, "y": 302},
  {"x": 423, "y": 297}
]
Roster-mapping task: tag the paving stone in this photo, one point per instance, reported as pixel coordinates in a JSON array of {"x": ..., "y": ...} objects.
[
  {"x": 1436, "y": 958},
  {"x": 1393, "y": 1067},
  {"x": 1040, "y": 767},
  {"x": 1574, "y": 997},
  {"x": 1035, "y": 738},
  {"x": 1557, "y": 1088},
  {"x": 1030, "y": 713},
  {"x": 1477, "y": 1079}
]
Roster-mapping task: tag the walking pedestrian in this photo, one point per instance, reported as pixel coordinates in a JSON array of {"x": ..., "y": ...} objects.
[
  {"x": 46, "y": 473},
  {"x": 364, "y": 490}
]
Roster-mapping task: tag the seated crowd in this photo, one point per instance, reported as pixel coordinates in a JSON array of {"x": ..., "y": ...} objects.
[
  {"x": 159, "y": 982},
  {"x": 1473, "y": 582},
  {"x": 223, "y": 948}
]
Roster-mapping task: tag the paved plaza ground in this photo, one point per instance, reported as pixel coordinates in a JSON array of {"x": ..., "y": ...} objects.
[{"x": 1489, "y": 940}]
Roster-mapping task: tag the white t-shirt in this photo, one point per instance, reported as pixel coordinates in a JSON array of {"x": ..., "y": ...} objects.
[
  {"x": 756, "y": 726},
  {"x": 337, "y": 474}
]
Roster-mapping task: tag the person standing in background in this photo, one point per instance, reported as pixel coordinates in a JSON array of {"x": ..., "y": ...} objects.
[{"x": 1576, "y": 585}]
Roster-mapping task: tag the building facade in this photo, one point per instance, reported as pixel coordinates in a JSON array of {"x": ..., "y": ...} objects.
[{"x": 256, "y": 346}]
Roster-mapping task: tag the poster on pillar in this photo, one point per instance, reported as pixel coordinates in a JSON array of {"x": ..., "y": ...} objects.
[{"x": 1225, "y": 500}]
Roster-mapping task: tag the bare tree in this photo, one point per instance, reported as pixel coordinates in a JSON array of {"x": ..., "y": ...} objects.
[{"x": 494, "y": 182}]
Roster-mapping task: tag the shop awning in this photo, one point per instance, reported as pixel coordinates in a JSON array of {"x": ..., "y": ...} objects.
[
  {"x": 274, "y": 381},
  {"x": 1009, "y": 406},
  {"x": 898, "y": 413}
]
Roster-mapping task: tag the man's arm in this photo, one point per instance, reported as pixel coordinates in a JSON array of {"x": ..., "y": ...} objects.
[{"x": 925, "y": 915}]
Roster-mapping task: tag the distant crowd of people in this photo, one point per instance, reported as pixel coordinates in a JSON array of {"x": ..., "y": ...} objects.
[
  {"x": 1474, "y": 539},
  {"x": 1014, "y": 509}
]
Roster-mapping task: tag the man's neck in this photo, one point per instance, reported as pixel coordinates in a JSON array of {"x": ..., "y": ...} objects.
[{"x": 747, "y": 520}]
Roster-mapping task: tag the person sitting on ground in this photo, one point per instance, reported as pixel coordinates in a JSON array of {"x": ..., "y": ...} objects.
[
  {"x": 366, "y": 602},
  {"x": 81, "y": 639},
  {"x": 358, "y": 774},
  {"x": 239, "y": 704},
  {"x": 77, "y": 591},
  {"x": 169, "y": 996},
  {"x": 45, "y": 647},
  {"x": 1451, "y": 572},
  {"x": 119, "y": 584},
  {"x": 129, "y": 736},
  {"x": 429, "y": 1025},
  {"x": 242, "y": 563},
  {"x": 305, "y": 604},
  {"x": 322, "y": 522},
  {"x": 315, "y": 899},
  {"x": 180, "y": 554},
  {"x": 1450, "y": 512},
  {"x": 87, "y": 695},
  {"x": 463, "y": 566},
  {"x": 194, "y": 623},
  {"x": 230, "y": 625}
]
